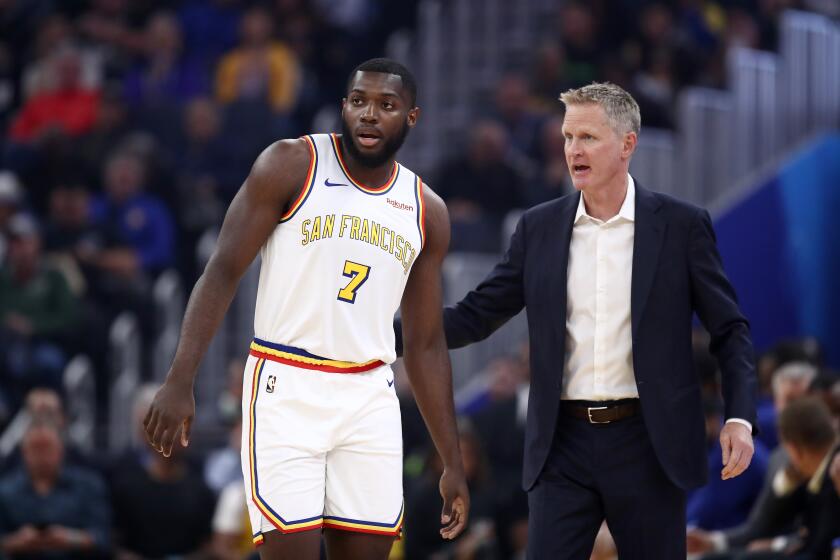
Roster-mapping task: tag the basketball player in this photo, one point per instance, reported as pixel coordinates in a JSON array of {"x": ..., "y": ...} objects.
[{"x": 346, "y": 235}]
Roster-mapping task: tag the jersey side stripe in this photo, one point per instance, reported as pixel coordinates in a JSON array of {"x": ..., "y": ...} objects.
[
  {"x": 421, "y": 209},
  {"x": 310, "y": 181}
]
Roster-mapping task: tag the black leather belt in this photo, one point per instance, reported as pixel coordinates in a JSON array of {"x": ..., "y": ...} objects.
[{"x": 601, "y": 412}]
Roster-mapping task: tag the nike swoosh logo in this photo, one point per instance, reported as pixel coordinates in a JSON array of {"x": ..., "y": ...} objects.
[
  {"x": 328, "y": 184},
  {"x": 390, "y": 383}
]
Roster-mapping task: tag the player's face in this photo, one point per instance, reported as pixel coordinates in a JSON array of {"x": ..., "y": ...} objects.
[
  {"x": 375, "y": 117},
  {"x": 595, "y": 153}
]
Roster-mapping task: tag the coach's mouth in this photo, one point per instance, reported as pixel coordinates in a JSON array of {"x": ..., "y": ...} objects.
[{"x": 580, "y": 170}]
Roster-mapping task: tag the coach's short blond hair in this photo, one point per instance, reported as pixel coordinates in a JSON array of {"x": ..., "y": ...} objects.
[{"x": 621, "y": 109}]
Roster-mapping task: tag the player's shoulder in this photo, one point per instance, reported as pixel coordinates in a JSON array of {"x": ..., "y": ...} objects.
[
  {"x": 282, "y": 163},
  {"x": 284, "y": 153},
  {"x": 431, "y": 199}
]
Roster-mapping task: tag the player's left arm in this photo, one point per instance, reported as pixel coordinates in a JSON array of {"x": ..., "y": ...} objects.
[{"x": 427, "y": 362}]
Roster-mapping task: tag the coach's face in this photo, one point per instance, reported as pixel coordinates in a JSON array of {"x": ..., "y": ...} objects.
[
  {"x": 376, "y": 116},
  {"x": 595, "y": 153}
]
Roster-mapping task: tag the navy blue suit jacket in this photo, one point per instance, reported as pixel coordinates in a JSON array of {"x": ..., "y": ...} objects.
[{"x": 677, "y": 271}]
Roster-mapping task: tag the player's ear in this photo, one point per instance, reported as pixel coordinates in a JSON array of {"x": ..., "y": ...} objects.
[
  {"x": 343, "y": 103},
  {"x": 413, "y": 115}
]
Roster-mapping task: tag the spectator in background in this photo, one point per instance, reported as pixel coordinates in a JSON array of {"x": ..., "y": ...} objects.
[
  {"x": 806, "y": 431},
  {"x": 55, "y": 33},
  {"x": 73, "y": 244},
  {"x": 11, "y": 197},
  {"x": 209, "y": 27},
  {"x": 223, "y": 466},
  {"x": 500, "y": 423},
  {"x": 548, "y": 76},
  {"x": 512, "y": 110},
  {"x": 139, "y": 220},
  {"x": 552, "y": 180},
  {"x": 500, "y": 426},
  {"x": 229, "y": 405},
  {"x": 109, "y": 25},
  {"x": 205, "y": 181},
  {"x": 19, "y": 20},
  {"x": 774, "y": 511},
  {"x": 232, "y": 537},
  {"x": 656, "y": 51},
  {"x": 826, "y": 386},
  {"x": 723, "y": 504},
  {"x": 49, "y": 509},
  {"x": 164, "y": 75},
  {"x": 37, "y": 313},
  {"x": 44, "y": 404},
  {"x": 580, "y": 39},
  {"x": 422, "y": 508},
  {"x": 70, "y": 108},
  {"x": 162, "y": 507},
  {"x": 788, "y": 350},
  {"x": 260, "y": 68},
  {"x": 479, "y": 188},
  {"x": 790, "y": 382},
  {"x": 112, "y": 124}
]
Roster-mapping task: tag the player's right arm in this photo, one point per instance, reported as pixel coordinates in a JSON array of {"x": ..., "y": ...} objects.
[{"x": 275, "y": 179}]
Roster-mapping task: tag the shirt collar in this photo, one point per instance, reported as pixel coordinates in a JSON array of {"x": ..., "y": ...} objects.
[{"x": 627, "y": 210}]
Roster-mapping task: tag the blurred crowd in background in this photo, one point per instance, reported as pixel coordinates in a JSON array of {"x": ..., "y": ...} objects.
[{"x": 129, "y": 126}]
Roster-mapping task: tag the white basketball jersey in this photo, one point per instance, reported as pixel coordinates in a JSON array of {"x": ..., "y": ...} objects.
[{"x": 334, "y": 270}]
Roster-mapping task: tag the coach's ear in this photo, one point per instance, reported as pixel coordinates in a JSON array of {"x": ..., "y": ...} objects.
[{"x": 628, "y": 145}]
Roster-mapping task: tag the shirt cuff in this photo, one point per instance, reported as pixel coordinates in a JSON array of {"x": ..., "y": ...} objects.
[
  {"x": 719, "y": 542},
  {"x": 741, "y": 421}
]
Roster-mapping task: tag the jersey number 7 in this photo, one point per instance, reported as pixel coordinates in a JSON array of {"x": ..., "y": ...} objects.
[{"x": 357, "y": 273}]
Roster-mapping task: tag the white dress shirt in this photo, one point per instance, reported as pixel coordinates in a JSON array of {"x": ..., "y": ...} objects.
[
  {"x": 599, "y": 339},
  {"x": 599, "y": 348}
]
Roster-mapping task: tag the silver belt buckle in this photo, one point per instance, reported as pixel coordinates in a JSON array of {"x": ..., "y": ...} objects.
[{"x": 589, "y": 414}]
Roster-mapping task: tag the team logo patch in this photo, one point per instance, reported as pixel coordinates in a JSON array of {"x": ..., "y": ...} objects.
[{"x": 269, "y": 386}]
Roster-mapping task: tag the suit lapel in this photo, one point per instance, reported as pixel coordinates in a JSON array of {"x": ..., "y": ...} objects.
[{"x": 647, "y": 243}]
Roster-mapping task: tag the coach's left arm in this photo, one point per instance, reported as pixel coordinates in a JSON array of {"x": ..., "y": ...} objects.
[
  {"x": 714, "y": 300},
  {"x": 427, "y": 362}
]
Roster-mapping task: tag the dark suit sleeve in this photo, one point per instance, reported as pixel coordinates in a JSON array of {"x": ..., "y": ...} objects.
[
  {"x": 714, "y": 300},
  {"x": 497, "y": 298}
]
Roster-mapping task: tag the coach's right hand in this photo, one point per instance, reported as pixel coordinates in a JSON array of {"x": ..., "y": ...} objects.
[{"x": 172, "y": 409}]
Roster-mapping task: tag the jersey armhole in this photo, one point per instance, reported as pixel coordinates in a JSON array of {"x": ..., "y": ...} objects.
[{"x": 306, "y": 188}]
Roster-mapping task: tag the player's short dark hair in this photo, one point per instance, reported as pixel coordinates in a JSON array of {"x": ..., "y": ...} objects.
[
  {"x": 388, "y": 66},
  {"x": 806, "y": 422}
]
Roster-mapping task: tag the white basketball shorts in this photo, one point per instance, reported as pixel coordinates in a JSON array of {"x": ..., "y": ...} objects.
[{"x": 320, "y": 449}]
